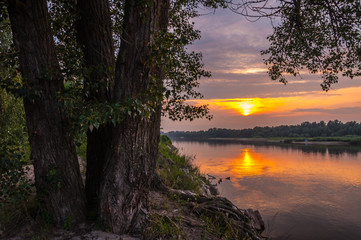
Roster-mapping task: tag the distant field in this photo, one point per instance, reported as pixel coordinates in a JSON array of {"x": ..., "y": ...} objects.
[{"x": 353, "y": 140}]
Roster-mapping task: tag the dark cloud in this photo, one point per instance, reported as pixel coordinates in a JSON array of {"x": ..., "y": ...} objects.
[
  {"x": 236, "y": 85},
  {"x": 254, "y": 88},
  {"x": 229, "y": 41}
]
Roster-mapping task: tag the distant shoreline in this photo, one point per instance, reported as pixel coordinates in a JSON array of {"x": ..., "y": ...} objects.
[
  {"x": 322, "y": 143},
  {"x": 322, "y": 133},
  {"x": 270, "y": 140},
  {"x": 283, "y": 141}
]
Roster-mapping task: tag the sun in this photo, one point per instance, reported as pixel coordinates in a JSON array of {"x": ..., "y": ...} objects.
[{"x": 246, "y": 107}]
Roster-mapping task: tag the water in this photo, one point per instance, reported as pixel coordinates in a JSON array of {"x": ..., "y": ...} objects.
[{"x": 303, "y": 192}]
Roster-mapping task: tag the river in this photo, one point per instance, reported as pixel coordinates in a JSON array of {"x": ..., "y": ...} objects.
[{"x": 303, "y": 192}]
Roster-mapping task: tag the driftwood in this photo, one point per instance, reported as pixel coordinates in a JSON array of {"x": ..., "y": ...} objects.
[{"x": 243, "y": 223}]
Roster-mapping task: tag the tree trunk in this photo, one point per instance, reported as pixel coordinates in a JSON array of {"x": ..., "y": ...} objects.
[
  {"x": 133, "y": 152},
  {"x": 94, "y": 34},
  {"x": 57, "y": 176}
]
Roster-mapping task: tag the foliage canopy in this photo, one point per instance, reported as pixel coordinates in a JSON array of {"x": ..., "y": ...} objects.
[{"x": 317, "y": 36}]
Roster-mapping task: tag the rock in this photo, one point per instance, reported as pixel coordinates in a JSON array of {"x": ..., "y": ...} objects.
[
  {"x": 210, "y": 177},
  {"x": 29, "y": 169},
  {"x": 256, "y": 219},
  {"x": 208, "y": 190},
  {"x": 97, "y": 235},
  {"x": 127, "y": 237},
  {"x": 214, "y": 190},
  {"x": 82, "y": 164}
]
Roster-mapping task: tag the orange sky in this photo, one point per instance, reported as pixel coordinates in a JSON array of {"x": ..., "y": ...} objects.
[
  {"x": 306, "y": 103},
  {"x": 241, "y": 95}
]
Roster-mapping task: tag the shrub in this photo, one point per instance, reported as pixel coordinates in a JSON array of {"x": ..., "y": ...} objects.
[{"x": 15, "y": 190}]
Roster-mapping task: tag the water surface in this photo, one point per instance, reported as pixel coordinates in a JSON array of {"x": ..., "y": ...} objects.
[{"x": 303, "y": 192}]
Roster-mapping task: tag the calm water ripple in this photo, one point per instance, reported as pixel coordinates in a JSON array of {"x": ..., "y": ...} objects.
[{"x": 303, "y": 192}]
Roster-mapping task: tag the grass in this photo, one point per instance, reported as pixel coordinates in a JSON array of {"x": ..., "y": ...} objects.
[
  {"x": 177, "y": 170},
  {"x": 222, "y": 226},
  {"x": 162, "y": 227},
  {"x": 81, "y": 150}
]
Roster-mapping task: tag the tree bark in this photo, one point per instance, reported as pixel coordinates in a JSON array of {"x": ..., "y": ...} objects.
[
  {"x": 132, "y": 156},
  {"x": 94, "y": 34},
  {"x": 57, "y": 176}
]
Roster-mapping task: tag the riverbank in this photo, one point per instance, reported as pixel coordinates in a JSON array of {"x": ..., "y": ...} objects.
[
  {"x": 183, "y": 204},
  {"x": 191, "y": 206},
  {"x": 299, "y": 140}
]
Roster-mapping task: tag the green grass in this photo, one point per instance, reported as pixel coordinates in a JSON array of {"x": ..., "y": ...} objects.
[
  {"x": 81, "y": 150},
  {"x": 162, "y": 227},
  {"x": 222, "y": 226},
  {"x": 177, "y": 170},
  {"x": 349, "y": 139}
]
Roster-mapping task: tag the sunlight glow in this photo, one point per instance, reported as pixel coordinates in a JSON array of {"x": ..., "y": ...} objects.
[
  {"x": 300, "y": 104},
  {"x": 247, "y": 160},
  {"x": 246, "y": 107},
  {"x": 247, "y": 71},
  {"x": 249, "y": 163}
]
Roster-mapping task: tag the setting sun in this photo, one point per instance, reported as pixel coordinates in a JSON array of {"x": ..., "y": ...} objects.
[
  {"x": 246, "y": 108},
  {"x": 311, "y": 105}
]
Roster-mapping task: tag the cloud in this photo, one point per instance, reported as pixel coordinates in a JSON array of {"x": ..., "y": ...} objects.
[
  {"x": 229, "y": 42},
  {"x": 345, "y": 110},
  {"x": 231, "y": 48},
  {"x": 343, "y": 104}
]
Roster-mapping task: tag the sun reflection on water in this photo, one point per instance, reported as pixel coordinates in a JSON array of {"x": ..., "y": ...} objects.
[
  {"x": 305, "y": 185},
  {"x": 249, "y": 163},
  {"x": 292, "y": 165},
  {"x": 247, "y": 160}
]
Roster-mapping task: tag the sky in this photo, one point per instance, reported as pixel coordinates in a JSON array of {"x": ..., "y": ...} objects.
[{"x": 240, "y": 93}]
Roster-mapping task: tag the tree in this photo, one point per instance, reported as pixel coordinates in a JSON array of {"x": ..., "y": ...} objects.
[
  {"x": 111, "y": 82},
  {"x": 57, "y": 174},
  {"x": 312, "y": 35},
  {"x": 94, "y": 35},
  {"x": 318, "y": 36},
  {"x": 113, "y": 74}
]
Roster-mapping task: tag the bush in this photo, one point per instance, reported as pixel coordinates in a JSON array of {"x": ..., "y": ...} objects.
[
  {"x": 13, "y": 131},
  {"x": 15, "y": 190},
  {"x": 15, "y": 187}
]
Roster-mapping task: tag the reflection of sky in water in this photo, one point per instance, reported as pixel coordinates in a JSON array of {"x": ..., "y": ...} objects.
[{"x": 301, "y": 192}]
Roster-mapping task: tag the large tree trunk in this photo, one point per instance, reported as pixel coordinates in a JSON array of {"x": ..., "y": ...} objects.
[
  {"x": 132, "y": 156},
  {"x": 57, "y": 176},
  {"x": 94, "y": 34}
]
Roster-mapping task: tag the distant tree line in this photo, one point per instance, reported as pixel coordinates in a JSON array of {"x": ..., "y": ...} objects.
[{"x": 306, "y": 129}]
